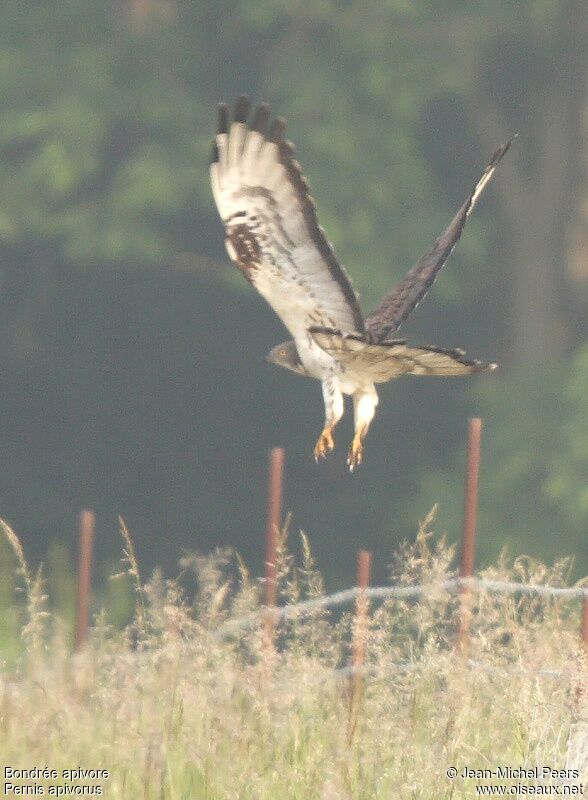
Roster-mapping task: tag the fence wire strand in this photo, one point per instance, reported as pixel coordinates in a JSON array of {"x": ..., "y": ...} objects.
[{"x": 281, "y": 613}]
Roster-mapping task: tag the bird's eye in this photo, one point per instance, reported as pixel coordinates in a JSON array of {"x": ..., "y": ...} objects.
[{"x": 282, "y": 352}]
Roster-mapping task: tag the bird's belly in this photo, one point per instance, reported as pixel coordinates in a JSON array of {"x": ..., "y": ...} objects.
[
  {"x": 349, "y": 385},
  {"x": 351, "y": 382},
  {"x": 319, "y": 364}
]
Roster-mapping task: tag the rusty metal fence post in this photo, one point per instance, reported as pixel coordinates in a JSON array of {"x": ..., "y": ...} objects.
[
  {"x": 359, "y": 639},
  {"x": 273, "y": 522},
  {"x": 468, "y": 547},
  {"x": 580, "y": 690},
  {"x": 364, "y": 562},
  {"x": 87, "y": 522}
]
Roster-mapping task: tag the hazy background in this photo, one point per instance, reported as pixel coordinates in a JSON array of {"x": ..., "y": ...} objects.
[{"x": 131, "y": 351}]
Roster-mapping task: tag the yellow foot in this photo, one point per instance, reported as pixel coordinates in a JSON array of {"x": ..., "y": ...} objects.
[
  {"x": 324, "y": 444},
  {"x": 355, "y": 455}
]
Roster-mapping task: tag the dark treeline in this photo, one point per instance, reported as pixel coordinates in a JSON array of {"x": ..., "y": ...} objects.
[{"x": 132, "y": 353}]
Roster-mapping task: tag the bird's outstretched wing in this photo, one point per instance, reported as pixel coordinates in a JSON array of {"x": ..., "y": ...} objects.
[
  {"x": 397, "y": 305},
  {"x": 382, "y": 362},
  {"x": 271, "y": 226}
]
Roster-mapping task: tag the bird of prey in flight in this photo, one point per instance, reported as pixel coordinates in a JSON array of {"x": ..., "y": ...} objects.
[{"x": 274, "y": 237}]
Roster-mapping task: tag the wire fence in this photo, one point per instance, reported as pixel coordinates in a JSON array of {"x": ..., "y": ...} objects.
[
  {"x": 465, "y": 583},
  {"x": 236, "y": 627},
  {"x": 346, "y": 596},
  {"x": 270, "y": 615}
]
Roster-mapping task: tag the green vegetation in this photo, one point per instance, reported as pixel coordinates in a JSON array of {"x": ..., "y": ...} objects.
[
  {"x": 133, "y": 383},
  {"x": 535, "y": 459},
  {"x": 131, "y": 353},
  {"x": 173, "y": 710}
]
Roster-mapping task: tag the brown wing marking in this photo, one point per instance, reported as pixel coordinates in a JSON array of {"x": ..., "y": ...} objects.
[
  {"x": 271, "y": 226},
  {"x": 243, "y": 247}
]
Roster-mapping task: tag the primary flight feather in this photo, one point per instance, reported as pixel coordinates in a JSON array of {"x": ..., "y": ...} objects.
[{"x": 274, "y": 237}]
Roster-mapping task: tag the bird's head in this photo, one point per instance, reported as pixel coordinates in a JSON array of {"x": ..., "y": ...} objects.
[{"x": 286, "y": 355}]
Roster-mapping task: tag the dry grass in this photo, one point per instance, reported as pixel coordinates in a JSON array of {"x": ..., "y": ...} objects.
[{"x": 174, "y": 711}]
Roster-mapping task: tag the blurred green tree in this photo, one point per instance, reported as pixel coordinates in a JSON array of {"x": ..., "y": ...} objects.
[
  {"x": 108, "y": 110},
  {"x": 534, "y": 465},
  {"x": 107, "y": 114}
]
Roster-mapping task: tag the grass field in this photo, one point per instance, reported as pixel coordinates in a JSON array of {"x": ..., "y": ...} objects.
[{"x": 173, "y": 710}]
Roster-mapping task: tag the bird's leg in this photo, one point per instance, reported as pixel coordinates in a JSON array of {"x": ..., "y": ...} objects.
[
  {"x": 333, "y": 412},
  {"x": 325, "y": 443},
  {"x": 355, "y": 455},
  {"x": 364, "y": 408}
]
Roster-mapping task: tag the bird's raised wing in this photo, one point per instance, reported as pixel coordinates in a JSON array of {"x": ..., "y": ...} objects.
[
  {"x": 382, "y": 362},
  {"x": 397, "y": 305},
  {"x": 272, "y": 231}
]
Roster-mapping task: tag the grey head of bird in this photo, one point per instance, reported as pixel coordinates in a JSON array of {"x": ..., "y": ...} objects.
[{"x": 286, "y": 355}]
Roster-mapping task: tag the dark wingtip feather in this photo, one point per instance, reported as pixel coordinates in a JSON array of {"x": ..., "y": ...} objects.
[
  {"x": 278, "y": 130},
  {"x": 242, "y": 107},
  {"x": 214, "y": 153},
  {"x": 223, "y": 118},
  {"x": 287, "y": 151},
  {"x": 260, "y": 118},
  {"x": 502, "y": 151}
]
